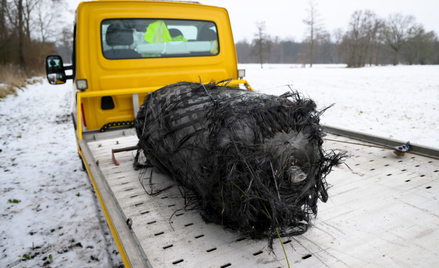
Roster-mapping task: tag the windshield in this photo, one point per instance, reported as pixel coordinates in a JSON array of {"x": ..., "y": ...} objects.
[{"x": 152, "y": 38}]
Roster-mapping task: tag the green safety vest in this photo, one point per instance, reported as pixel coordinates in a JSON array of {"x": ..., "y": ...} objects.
[{"x": 157, "y": 32}]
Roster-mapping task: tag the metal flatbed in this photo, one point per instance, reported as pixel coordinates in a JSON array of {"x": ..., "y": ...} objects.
[{"x": 382, "y": 212}]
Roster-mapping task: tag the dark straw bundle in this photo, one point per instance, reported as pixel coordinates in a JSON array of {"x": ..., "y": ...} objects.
[{"x": 253, "y": 162}]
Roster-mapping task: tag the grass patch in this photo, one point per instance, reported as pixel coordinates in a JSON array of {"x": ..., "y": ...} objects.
[
  {"x": 5, "y": 90},
  {"x": 12, "y": 78}
]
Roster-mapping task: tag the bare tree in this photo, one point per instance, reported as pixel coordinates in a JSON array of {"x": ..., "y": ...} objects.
[
  {"x": 27, "y": 32},
  {"x": 426, "y": 47},
  {"x": 244, "y": 52},
  {"x": 363, "y": 28},
  {"x": 314, "y": 29},
  {"x": 419, "y": 45},
  {"x": 375, "y": 40},
  {"x": 277, "y": 50},
  {"x": 29, "y": 7},
  {"x": 338, "y": 38},
  {"x": 410, "y": 50},
  {"x": 324, "y": 47},
  {"x": 12, "y": 43},
  {"x": 20, "y": 34},
  {"x": 4, "y": 33},
  {"x": 397, "y": 32},
  {"x": 48, "y": 21},
  {"x": 65, "y": 44},
  {"x": 261, "y": 44},
  {"x": 434, "y": 57}
]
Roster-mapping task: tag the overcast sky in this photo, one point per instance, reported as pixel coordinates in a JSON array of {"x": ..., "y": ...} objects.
[{"x": 284, "y": 18}]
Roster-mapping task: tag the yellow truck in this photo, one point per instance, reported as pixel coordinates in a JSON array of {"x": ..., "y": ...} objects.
[{"x": 123, "y": 50}]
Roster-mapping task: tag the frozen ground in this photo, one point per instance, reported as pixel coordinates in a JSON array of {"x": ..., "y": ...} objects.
[
  {"x": 49, "y": 215},
  {"x": 399, "y": 102}
]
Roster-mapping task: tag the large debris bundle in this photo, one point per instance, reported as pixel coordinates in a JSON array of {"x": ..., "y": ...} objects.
[{"x": 253, "y": 162}]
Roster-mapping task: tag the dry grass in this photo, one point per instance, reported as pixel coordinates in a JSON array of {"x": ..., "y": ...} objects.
[
  {"x": 12, "y": 78},
  {"x": 3, "y": 91}
]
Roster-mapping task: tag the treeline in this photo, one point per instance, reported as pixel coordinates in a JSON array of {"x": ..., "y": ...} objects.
[
  {"x": 287, "y": 51},
  {"x": 32, "y": 29},
  {"x": 29, "y": 31},
  {"x": 369, "y": 40}
]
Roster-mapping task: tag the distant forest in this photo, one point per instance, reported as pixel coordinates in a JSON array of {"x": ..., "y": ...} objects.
[
  {"x": 32, "y": 29},
  {"x": 369, "y": 40},
  {"x": 285, "y": 51},
  {"x": 29, "y": 31},
  {"x": 328, "y": 51}
]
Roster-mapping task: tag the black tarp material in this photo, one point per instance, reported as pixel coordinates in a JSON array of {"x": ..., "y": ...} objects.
[{"x": 251, "y": 162}]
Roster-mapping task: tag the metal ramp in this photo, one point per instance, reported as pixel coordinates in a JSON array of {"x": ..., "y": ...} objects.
[{"x": 382, "y": 213}]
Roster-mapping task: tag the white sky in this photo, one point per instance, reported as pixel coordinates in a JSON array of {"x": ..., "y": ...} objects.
[{"x": 284, "y": 18}]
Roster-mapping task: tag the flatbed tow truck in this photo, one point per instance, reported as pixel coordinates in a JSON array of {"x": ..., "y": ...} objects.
[
  {"x": 382, "y": 212},
  {"x": 383, "y": 207}
]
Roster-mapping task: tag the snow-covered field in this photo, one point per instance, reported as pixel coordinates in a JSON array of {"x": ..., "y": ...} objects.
[
  {"x": 399, "y": 102},
  {"x": 49, "y": 214}
]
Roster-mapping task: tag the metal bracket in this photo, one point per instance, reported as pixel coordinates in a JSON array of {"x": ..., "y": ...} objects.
[{"x": 113, "y": 151}]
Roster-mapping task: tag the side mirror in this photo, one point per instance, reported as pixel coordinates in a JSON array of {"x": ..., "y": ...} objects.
[{"x": 55, "y": 70}]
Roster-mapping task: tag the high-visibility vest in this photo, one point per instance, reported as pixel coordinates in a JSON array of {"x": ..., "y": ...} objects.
[{"x": 158, "y": 32}]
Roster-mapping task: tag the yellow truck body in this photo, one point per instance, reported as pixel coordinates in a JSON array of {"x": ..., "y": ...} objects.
[{"x": 112, "y": 81}]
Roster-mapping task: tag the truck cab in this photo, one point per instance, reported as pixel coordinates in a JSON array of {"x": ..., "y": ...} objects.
[{"x": 125, "y": 49}]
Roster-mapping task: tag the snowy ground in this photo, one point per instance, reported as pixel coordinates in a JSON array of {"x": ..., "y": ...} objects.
[
  {"x": 49, "y": 214},
  {"x": 399, "y": 102}
]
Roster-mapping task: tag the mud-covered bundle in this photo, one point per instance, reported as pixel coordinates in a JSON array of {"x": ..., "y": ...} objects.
[{"x": 253, "y": 162}]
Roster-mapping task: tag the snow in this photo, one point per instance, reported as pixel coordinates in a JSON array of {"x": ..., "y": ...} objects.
[
  {"x": 398, "y": 102},
  {"x": 57, "y": 221}
]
